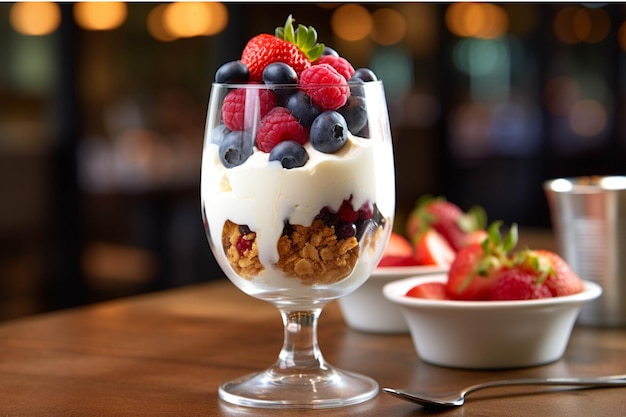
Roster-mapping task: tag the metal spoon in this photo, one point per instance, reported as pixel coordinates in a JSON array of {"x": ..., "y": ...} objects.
[{"x": 455, "y": 399}]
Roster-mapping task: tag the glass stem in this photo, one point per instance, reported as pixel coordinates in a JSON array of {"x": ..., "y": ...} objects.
[{"x": 300, "y": 349}]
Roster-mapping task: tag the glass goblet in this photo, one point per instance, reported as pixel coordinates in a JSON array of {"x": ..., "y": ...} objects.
[{"x": 298, "y": 226}]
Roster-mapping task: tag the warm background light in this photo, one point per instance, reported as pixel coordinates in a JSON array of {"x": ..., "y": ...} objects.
[
  {"x": 189, "y": 19},
  {"x": 588, "y": 118},
  {"x": 575, "y": 24},
  {"x": 100, "y": 15},
  {"x": 389, "y": 26},
  {"x": 479, "y": 20},
  {"x": 351, "y": 22},
  {"x": 35, "y": 18},
  {"x": 155, "y": 24}
]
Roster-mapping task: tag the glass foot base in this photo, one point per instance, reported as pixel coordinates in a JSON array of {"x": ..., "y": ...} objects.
[{"x": 320, "y": 388}]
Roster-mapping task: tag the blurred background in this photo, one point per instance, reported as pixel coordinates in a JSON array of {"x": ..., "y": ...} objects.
[{"x": 102, "y": 110}]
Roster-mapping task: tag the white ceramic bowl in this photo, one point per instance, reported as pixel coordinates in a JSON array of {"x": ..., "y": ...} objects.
[
  {"x": 488, "y": 334},
  {"x": 366, "y": 309}
]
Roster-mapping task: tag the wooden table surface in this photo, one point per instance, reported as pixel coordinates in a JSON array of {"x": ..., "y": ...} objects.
[{"x": 166, "y": 353}]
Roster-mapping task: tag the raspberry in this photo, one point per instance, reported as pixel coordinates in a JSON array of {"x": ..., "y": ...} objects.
[
  {"x": 277, "y": 126},
  {"x": 341, "y": 65},
  {"x": 327, "y": 88},
  {"x": 238, "y": 108}
]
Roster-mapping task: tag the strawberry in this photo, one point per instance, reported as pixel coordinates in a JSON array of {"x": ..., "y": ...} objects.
[
  {"x": 398, "y": 252},
  {"x": 519, "y": 284},
  {"x": 430, "y": 248},
  {"x": 550, "y": 267},
  {"x": 296, "y": 48},
  {"x": 446, "y": 218},
  {"x": 430, "y": 290},
  {"x": 476, "y": 267}
]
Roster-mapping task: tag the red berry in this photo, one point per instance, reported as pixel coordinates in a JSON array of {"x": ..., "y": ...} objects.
[
  {"x": 341, "y": 65},
  {"x": 243, "y": 245},
  {"x": 279, "y": 125},
  {"x": 347, "y": 213},
  {"x": 239, "y": 105},
  {"x": 518, "y": 284},
  {"x": 429, "y": 290},
  {"x": 327, "y": 88}
]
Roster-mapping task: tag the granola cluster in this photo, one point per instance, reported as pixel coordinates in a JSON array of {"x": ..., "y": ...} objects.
[{"x": 313, "y": 254}]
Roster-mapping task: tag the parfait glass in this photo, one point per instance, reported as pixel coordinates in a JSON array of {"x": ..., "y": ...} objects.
[{"x": 297, "y": 227}]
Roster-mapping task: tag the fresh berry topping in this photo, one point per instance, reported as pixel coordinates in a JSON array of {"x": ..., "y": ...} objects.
[
  {"x": 279, "y": 73},
  {"x": 341, "y": 65},
  {"x": 302, "y": 108},
  {"x": 240, "y": 105},
  {"x": 328, "y": 89},
  {"x": 355, "y": 113},
  {"x": 277, "y": 126},
  {"x": 329, "y": 51},
  {"x": 329, "y": 132},
  {"x": 232, "y": 72},
  {"x": 290, "y": 154},
  {"x": 296, "y": 48},
  {"x": 236, "y": 148},
  {"x": 363, "y": 74}
]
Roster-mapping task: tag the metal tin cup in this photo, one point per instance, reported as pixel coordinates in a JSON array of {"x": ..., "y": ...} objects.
[{"x": 589, "y": 220}]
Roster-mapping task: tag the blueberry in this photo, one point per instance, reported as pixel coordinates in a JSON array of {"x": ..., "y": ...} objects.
[
  {"x": 236, "y": 148},
  {"x": 345, "y": 230},
  {"x": 329, "y": 217},
  {"x": 329, "y": 51},
  {"x": 355, "y": 113},
  {"x": 232, "y": 72},
  {"x": 279, "y": 73},
  {"x": 218, "y": 133},
  {"x": 363, "y": 74},
  {"x": 329, "y": 132},
  {"x": 290, "y": 154},
  {"x": 302, "y": 108}
]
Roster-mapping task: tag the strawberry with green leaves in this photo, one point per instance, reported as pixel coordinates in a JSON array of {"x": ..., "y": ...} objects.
[
  {"x": 550, "y": 269},
  {"x": 296, "y": 48},
  {"x": 476, "y": 267},
  {"x": 457, "y": 227}
]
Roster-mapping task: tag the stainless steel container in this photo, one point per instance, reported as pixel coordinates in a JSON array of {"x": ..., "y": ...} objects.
[{"x": 589, "y": 220}]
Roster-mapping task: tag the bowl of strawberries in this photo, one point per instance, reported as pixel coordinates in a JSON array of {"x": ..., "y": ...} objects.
[
  {"x": 495, "y": 307},
  {"x": 435, "y": 230}
]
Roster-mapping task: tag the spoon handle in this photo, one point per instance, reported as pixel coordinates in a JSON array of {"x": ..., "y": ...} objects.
[{"x": 577, "y": 381}]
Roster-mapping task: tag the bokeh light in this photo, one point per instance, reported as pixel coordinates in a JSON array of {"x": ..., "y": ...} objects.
[
  {"x": 35, "y": 18},
  {"x": 575, "y": 24},
  {"x": 100, "y": 15},
  {"x": 171, "y": 21},
  {"x": 560, "y": 94},
  {"x": 389, "y": 26},
  {"x": 351, "y": 22},
  {"x": 588, "y": 118},
  {"x": 479, "y": 20},
  {"x": 621, "y": 36}
]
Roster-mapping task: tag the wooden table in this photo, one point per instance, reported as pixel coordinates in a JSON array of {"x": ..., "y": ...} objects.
[{"x": 166, "y": 353}]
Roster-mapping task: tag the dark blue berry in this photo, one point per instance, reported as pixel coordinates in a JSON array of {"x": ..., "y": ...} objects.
[
  {"x": 290, "y": 154},
  {"x": 329, "y": 51},
  {"x": 236, "y": 148},
  {"x": 279, "y": 73},
  {"x": 329, "y": 217},
  {"x": 302, "y": 108},
  {"x": 363, "y": 74},
  {"x": 329, "y": 132},
  {"x": 355, "y": 113},
  {"x": 345, "y": 230},
  {"x": 232, "y": 72},
  {"x": 218, "y": 133}
]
